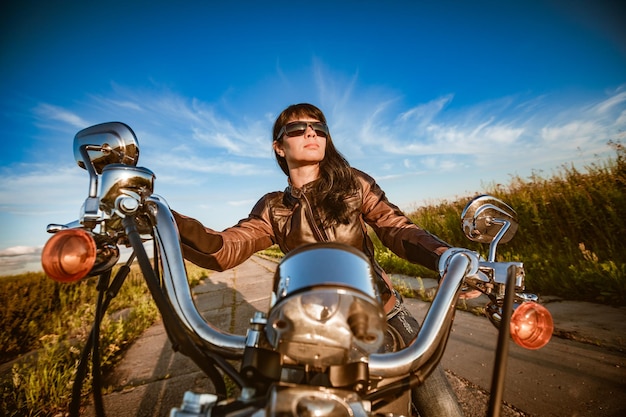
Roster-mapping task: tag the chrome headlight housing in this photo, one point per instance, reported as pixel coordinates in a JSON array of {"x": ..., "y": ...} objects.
[{"x": 325, "y": 306}]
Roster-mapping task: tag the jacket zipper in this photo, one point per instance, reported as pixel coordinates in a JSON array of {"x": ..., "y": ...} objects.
[{"x": 309, "y": 212}]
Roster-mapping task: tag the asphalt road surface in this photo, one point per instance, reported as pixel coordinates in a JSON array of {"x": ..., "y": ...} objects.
[{"x": 565, "y": 378}]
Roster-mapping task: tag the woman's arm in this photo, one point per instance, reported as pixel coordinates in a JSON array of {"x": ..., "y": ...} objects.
[
  {"x": 395, "y": 230},
  {"x": 219, "y": 251}
]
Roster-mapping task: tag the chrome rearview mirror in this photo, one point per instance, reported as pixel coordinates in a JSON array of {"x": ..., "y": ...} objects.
[
  {"x": 104, "y": 144},
  {"x": 485, "y": 216},
  {"x": 97, "y": 147},
  {"x": 486, "y": 219}
]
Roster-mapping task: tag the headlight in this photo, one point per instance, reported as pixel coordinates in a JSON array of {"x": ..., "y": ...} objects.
[
  {"x": 320, "y": 305},
  {"x": 326, "y": 310}
]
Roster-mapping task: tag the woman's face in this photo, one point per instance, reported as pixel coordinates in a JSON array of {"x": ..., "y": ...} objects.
[{"x": 302, "y": 147}]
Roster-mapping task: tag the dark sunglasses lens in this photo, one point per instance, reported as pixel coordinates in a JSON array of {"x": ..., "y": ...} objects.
[
  {"x": 320, "y": 129},
  {"x": 299, "y": 129},
  {"x": 295, "y": 129}
]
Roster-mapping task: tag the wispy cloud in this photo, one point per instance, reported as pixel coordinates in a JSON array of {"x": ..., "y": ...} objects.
[
  {"x": 374, "y": 125},
  {"x": 422, "y": 116},
  {"x": 28, "y": 189},
  {"x": 168, "y": 119},
  {"x": 197, "y": 148},
  {"x": 19, "y": 259},
  {"x": 429, "y": 130},
  {"x": 202, "y": 140},
  {"x": 239, "y": 203},
  {"x": 55, "y": 113},
  {"x": 607, "y": 107},
  {"x": 19, "y": 251}
]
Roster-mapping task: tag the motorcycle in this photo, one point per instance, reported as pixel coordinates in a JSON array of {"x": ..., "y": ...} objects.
[{"x": 317, "y": 351}]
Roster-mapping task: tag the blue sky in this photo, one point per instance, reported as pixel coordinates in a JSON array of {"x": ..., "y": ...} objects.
[{"x": 435, "y": 99}]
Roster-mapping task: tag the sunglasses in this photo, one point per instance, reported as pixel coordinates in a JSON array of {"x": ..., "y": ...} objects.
[{"x": 294, "y": 129}]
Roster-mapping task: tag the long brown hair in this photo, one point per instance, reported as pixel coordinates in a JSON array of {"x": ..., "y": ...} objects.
[{"x": 337, "y": 180}]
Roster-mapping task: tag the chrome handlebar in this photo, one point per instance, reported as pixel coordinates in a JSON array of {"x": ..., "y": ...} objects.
[
  {"x": 427, "y": 347},
  {"x": 177, "y": 287},
  {"x": 422, "y": 351}
]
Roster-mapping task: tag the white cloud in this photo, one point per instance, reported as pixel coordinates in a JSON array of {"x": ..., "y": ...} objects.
[
  {"x": 51, "y": 112},
  {"x": 610, "y": 103},
  {"x": 177, "y": 164},
  {"x": 417, "y": 149},
  {"x": 19, "y": 259},
  {"x": 489, "y": 132},
  {"x": 37, "y": 188},
  {"x": 365, "y": 125},
  {"x": 240, "y": 203},
  {"x": 127, "y": 105},
  {"x": 165, "y": 120},
  {"x": 20, "y": 250},
  {"x": 575, "y": 132},
  {"x": 422, "y": 116}
]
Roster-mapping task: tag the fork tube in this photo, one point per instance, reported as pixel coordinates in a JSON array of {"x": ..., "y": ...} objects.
[{"x": 502, "y": 350}]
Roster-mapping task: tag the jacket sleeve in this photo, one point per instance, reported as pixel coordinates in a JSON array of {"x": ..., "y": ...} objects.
[
  {"x": 223, "y": 250},
  {"x": 395, "y": 230}
]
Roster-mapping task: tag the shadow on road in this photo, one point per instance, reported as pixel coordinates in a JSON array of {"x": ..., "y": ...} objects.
[{"x": 151, "y": 378}]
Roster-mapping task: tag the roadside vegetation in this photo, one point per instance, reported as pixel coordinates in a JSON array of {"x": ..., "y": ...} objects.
[
  {"x": 46, "y": 324},
  {"x": 571, "y": 236},
  {"x": 571, "y": 239}
]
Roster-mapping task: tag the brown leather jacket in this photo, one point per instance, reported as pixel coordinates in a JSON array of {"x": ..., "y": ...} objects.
[{"x": 290, "y": 220}]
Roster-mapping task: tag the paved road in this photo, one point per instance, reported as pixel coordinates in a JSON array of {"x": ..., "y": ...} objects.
[{"x": 565, "y": 378}]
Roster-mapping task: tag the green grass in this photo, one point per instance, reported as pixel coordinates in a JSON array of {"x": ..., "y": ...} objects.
[
  {"x": 572, "y": 230},
  {"x": 273, "y": 252},
  {"x": 50, "y": 322}
]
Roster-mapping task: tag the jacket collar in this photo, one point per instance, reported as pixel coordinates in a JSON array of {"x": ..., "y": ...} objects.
[{"x": 297, "y": 192}]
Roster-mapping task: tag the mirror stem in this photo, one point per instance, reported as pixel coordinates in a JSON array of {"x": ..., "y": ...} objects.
[
  {"x": 93, "y": 176},
  {"x": 90, "y": 214},
  {"x": 494, "y": 244}
]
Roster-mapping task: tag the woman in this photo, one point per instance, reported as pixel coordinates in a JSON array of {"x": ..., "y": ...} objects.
[{"x": 326, "y": 200}]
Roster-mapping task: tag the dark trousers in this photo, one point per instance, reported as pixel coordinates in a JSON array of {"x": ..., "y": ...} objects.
[{"x": 435, "y": 397}]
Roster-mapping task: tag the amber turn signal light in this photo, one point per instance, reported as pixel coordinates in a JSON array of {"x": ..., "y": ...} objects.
[
  {"x": 531, "y": 325},
  {"x": 69, "y": 255}
]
